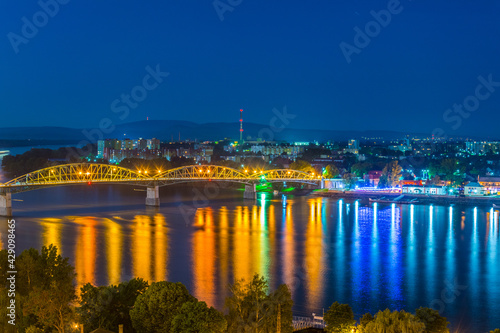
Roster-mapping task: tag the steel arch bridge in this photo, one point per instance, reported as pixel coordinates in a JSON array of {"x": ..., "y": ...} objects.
[{"x": 82, "y": 173}]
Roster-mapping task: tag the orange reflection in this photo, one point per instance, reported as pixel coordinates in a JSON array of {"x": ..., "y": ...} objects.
[
  {"x": 314, "y": 256},
  {"x": 141, "y": 247},
  {"x": 161, "y": 248},
  {"x": 85, "y": 251},
  {"x": 114, "y": 241},
  {"x": 288, "y": 248},
  {"x": 204, "y": 255},
  {"x": 52, "y": 229},
  {"x": 241, "y": 244},
  {"x": 224, "y": 248}
]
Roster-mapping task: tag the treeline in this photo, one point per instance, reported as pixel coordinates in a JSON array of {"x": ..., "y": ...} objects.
[
  {"x": 36, "y": 159},
  {"x": 46, "y": 301},
  {"x": 340, "y": 318}
]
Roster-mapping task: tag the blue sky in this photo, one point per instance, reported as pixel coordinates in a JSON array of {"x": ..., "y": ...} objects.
[{"x": 262, "y": 55}]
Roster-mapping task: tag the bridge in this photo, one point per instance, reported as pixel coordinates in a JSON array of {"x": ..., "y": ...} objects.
[{"x": 84, "y": 173}]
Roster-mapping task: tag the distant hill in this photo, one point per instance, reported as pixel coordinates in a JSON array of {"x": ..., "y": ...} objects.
[{"x": 170, "y": 129}]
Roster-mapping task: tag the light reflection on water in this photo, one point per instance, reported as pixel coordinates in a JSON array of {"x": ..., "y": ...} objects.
[{"x": 371, "y": 256}]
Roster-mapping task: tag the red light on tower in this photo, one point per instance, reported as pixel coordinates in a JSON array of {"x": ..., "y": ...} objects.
[{"x": 241, "y": 127}]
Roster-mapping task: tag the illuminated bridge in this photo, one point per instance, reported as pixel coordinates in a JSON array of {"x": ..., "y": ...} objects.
[{"x": 80, "y": 173}]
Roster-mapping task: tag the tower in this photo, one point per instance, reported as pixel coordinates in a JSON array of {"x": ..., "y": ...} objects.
[{"x": 241, "y": 127}]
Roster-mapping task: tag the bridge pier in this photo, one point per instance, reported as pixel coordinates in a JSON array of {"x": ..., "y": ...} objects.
[
  {"x": 5, "y": 204},
  {"x": 250, "y": 192},
  {"x": 153, "y": 196}
]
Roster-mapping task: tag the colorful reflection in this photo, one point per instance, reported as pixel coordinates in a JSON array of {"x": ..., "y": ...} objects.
[
  {"x": 372, "y": 256},
  {"x": 51, "y": 234},
  {"x": 86, "y": 250},
  {"x": 114, "y": 241},
  {"x": 149, "y": 247},
  {"x": 204, "y": 255},
  {"x": 314, "y": 256}
]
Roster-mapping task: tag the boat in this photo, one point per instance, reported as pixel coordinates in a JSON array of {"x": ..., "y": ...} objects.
[{"x": 399, "y": 200}]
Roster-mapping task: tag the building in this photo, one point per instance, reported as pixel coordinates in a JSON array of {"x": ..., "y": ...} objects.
[
  {"x": 373, "y": 177},
  {"x": 474, "y": 189},
  {"x": 424, "y": 189},
  {"x": 491, "y": 184},
  {"x": 334, "y": 184},
  {"x": 352, "y": 147}
]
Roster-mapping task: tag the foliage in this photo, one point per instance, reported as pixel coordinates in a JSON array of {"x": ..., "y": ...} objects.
[
  {"x": 339, "y": 318},
  {"x": 349, "y": 180},
  {"x": 252, "y": 309},
  {"x": 198, "y": 317},
  {"x": 391, "y": 174},
  {"x": 331, "y": 171},
  {"x": 360, "y": 169},
  {"x": 497, "y": 330},
  {"x": 109, "y": 306},
  {"x": 135, "y": 163},
  {"x": 45, "y": 289},
  {"x": 367, "y": 317},
  {"x": 434, "y": 323},
  {"x": 255, "y": 163},
  {"x": 155, "y": 309},
  {"x": 302, "y": 165},
  {"x": 394, "y": 322}
]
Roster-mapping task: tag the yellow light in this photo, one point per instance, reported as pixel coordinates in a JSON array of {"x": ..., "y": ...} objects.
[
  {"x": 140, "y": 171},
  {"x": 146, "y": 171},
  {"x": 199, "y": 170},
  {"x": 313, "y": 173},
  {"x": 114, "y": 169},
  {"x": 88, "y": 173},
  {"x": 246, "y": 171},
  {"x": 80, "y": 173},
  {"x": 159, "y": 171},
  {"x": 260, "y": 171}
]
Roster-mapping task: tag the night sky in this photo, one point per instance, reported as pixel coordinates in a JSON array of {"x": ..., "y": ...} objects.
[{"x": 261, "y": 55}]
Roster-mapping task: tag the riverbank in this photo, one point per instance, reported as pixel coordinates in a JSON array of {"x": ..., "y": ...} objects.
[{"x": 419, "y": 198}]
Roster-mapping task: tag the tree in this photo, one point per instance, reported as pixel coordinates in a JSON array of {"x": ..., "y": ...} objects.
[
  {"x": 367, "y": 318},
  {"x": 339, "y": 318},
  {"x": 394, "y": 322},
  {"x": 252, "y": 309},
  {"x": 436, "y": 180},
  {"x": 497, "y": 330},
  {"x": 391, "y": 173},
  {"x": 331, "y": 171},
  {"x": 46, "y": 288},
  {"x": 349, "y": 180},
  {"x": 434, "y": 323},
  {"x": 155, "y": 309},
  {"x": 109, "y": 306},
  {"x": 280, "y": 301},
  {"x": 360, "y": 169},
  {"x": 198, "y": 317},
  {"x": 302, "y": 165}
]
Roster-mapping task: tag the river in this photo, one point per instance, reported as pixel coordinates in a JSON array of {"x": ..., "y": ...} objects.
[{"x": 369, "y": 256}]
